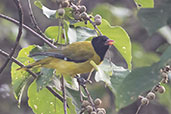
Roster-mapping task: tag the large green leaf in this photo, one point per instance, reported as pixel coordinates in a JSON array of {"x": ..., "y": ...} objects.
[
  {"x": 154, "y": 18},
  {"x": 44, "y": 102},
  {"x": 165, "y": 97},
  {"x": 44, "y": 78},
  {"x": 138, "y": 81},
  {"x": 145, "y": 3},
  {"x": 121, "y": 38},
  {"x": 116, "y": 33},
  {"x": 20, "y": 77}
]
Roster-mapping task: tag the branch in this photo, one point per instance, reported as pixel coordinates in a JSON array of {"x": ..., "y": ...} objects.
[
  {"x": 95, "y": 27},
  {"x": 64, "y": 95},
  {"x": 28, "y": 29},
  {"x": 33, "y": 74},
  {"x": 33, "y": 20},
  {"x": 20, "y": 12}
]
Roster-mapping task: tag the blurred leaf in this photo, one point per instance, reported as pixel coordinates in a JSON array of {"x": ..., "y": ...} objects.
[
  {"x": 44, "y": 78},
  {"x": 165, "y": 98},
  {"x": 80, "y": 34},
  {"x": 136, "y": 83},
  {"x": 44, "y": 102},
  {"x": 121, "y": 38},
  {"x": 142, "y": 58},
  {"x": 145, "y": 3},
  {"x": 140, "y": 80},
  {"x": 46, "y": 11},
  {"x": 20, "y": 77},
  {"x": 154, "y": 18}
]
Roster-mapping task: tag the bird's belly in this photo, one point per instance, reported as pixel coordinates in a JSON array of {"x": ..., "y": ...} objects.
[{"x": 70, "y": 68}]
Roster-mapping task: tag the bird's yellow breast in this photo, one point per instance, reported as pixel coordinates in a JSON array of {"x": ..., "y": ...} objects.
[{"x": 71, "y": 68}]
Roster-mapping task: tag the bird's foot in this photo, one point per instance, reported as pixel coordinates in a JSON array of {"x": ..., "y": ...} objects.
[{"x": 82, "y": 81}]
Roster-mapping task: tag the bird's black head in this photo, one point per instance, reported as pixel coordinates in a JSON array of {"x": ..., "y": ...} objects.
[{"x": 101, "y": 45}]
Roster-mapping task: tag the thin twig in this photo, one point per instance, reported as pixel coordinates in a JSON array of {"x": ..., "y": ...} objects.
[
  {"x": 79, "y": 1},
  {"x": 89, "y": 97},
  {"x": 20, "y": 12},
  {"x": 28, "y": 29},
  {"x": 95, "y": 27},
  {"x": 138, "y": 110},
  {"x": 33, "y": 20},
  {"x": 32, "y": 73},
  {"x": 64, "y": 95}
]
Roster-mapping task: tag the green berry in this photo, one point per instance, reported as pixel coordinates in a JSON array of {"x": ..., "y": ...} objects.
[{"x": 61, "y": 12}]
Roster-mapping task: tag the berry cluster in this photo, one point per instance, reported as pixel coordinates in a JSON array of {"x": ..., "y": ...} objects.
[
  {"x": 78, "y": 12},
  {"x": 87, "y": 107},
  {"x": 158, "y": 88}
]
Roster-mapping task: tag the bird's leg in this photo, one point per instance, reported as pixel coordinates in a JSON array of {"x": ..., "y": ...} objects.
[{"x": 64, "y": 95}]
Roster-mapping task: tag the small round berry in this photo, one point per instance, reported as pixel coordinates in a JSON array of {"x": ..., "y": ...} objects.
[
  {"x": 61, "y": 12},
  {"x": 97, "y": 17},
  {"x": 98, "y": 21},
  {"x": 100, "y": 112},
  {"x": 93, "y": 112},
  {"x": 97, "y": 102},
  {"x": 89, "y": 108},
  {"x": 102, "y": 109},
  {"x": 151, "y": 96},
  {"x": 164, "y": 75},
  {"x": 74, "y": 8},
  {"x": 144, "y": 101},
  {"x": 65, "y": 4},
  {"x": 76, "y": 16},
  {"x": 85, "y": 103},
  {"x": 161, "y": 89},
  {"x": 84, "y": 15},
  {"x": 82, "y": 9}
]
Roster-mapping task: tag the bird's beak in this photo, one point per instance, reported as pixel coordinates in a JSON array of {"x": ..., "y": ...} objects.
[{"x": 109, "y": 42}]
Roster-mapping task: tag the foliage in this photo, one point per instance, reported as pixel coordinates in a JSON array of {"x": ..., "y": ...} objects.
[{"x": 125, "y": 84}]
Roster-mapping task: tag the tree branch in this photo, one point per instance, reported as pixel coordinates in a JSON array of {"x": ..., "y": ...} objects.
[
  {"x": 28, "y": 29},
  {"x": 33, "y": 20},
  {"x": 20, "y": 12}
]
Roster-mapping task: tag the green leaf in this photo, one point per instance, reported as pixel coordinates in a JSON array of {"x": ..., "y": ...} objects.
[
  {"x": 46, "y": 11},
  {"x": 154, "y": 18},
  {"x": 44, "y": 78},
  {"x": 136, "y": 83},
  {"x": 20, "y": 77},
  {"x": 80, "y": 34},
  {"x": 139, "y": 81},
  {"x": 121, "y": 38},
  {"x": 116, "y": 33},
  {"x": 142, "y": 58},
  {"x": 53, "y": 32},
  {"x": 145, "y": 3},
  {"x": 165, "y": 98},
  {"x": 44, "y": 102}
]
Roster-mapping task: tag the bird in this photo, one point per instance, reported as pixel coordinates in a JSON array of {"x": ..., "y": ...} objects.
[{"x": 74, "y": 58}]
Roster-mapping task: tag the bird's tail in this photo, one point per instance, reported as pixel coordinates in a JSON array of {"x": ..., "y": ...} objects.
[{"x": 38, "y": 63}]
